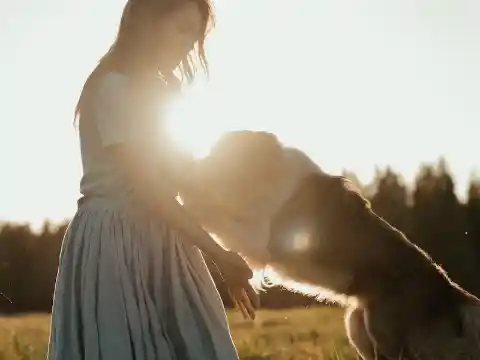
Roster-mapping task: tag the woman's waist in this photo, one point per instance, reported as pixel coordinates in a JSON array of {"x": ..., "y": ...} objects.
[
  {"x": 112, "y": 192},
  {"x": 108, "y": 201},
  {"x": 126, "y": 208},
  {"x": 127, "y": 204},
  {"x": 113, "y": 186},
  {"x": 103, "y": 183}
]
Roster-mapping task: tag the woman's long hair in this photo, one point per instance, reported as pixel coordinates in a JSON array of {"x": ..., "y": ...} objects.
[{"x": 126, "y": 43}]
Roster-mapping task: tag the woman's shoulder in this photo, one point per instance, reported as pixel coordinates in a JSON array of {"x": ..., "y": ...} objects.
[
  {"x": 117, "y": 85},
  {"x": 112, "y": 85}
]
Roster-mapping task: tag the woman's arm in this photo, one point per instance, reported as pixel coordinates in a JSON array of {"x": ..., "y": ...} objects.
[{"x": 156, "y": 189}]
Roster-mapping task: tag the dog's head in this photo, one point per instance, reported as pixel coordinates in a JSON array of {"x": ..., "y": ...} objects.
[{"x": 242, "y": 170}]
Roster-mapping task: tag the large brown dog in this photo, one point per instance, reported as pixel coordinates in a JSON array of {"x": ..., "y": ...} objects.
[{"x": 275, "y": 206}]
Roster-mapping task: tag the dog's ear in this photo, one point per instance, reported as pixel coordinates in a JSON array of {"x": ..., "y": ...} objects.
[
  {"x": 332, "y": 193},
  {"x": 314, "y": 186},
  {"x": 353, "y": 193}
]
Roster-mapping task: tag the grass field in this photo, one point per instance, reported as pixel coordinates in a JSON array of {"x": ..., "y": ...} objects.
[{"x": 315, "y": 334}]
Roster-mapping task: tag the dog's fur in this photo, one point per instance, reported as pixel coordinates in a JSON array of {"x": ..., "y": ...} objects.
[{"x": 400, "y": 304}]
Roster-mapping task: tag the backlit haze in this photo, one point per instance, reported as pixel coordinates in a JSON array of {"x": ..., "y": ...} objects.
[{"x": 354, "y": 83}]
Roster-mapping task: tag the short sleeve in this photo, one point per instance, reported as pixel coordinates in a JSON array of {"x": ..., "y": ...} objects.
[{"x": 112, "y": 109}]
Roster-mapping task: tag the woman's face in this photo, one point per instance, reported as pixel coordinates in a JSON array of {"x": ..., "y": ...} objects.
[{"x": 176, "y": 34}]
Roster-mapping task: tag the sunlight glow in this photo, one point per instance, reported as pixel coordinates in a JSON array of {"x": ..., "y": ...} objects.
[
  {"x": 301, "y": 241},
  {"x": 191, "y": 124}
]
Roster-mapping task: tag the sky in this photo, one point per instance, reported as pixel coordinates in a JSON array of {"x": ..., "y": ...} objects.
[{"x": 354, "y": 83}]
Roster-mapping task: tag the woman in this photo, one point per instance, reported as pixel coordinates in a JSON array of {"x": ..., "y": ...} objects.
[{"x": 132, "y": 283}]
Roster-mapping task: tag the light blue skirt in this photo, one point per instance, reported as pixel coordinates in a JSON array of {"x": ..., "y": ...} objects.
[{"x": 129, "y": 288}]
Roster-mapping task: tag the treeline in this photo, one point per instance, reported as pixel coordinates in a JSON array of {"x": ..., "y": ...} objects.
[{"x": 429, "y": 213}]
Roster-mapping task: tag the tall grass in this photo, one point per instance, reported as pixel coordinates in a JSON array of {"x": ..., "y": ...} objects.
[{"x": 298, "y": 334}]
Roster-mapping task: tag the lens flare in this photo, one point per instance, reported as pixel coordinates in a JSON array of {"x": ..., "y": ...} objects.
[
  {"x": 294, "y": 239},
  {"x": 301, "y": 241}
]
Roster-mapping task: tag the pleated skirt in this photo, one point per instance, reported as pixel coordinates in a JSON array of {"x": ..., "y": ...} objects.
[{"x": 129, "y": 288}]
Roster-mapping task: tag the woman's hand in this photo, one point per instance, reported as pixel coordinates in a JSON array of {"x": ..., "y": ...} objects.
[{"x": 236, "y": 273}]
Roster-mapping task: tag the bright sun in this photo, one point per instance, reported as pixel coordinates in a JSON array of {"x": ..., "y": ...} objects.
[{"x": 192, "y": 124}]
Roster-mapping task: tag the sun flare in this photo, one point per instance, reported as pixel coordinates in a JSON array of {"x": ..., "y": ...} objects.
[{"x": 191, "y": 123}]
